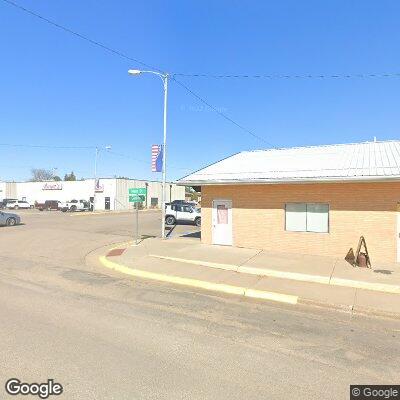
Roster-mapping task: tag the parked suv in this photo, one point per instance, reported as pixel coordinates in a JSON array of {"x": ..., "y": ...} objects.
[
  {"x": 16, "y": 204},
  {"x": 181, "y": 202},
  {"x": 176, "y": 213},
  {"x": 4, "y": 202}
]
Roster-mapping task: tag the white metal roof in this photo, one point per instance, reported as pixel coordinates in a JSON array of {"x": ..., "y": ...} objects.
[{"x": 339, "y": 162}]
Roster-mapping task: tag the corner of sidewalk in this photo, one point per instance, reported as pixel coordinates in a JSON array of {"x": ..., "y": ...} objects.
[{"x": 140, "y": 261}]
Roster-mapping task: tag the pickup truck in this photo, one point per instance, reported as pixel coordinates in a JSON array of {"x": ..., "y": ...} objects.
[
  {"x": 75, "y": 205},
  {"x": 176, "y": 213},
  {"x": 49, "y": 205}
]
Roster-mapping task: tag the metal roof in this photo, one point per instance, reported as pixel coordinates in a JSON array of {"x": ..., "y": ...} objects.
[{"x": 339, "y": 162}]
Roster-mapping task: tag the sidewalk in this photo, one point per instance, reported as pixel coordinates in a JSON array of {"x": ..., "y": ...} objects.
[{"x": 253, "y": 273}]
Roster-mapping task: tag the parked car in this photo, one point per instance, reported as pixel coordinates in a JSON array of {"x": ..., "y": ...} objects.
[
  {"x": 49, "y": 205},
  {"x": 76, "y": 205},
  {"x": 4, "y": 202},
  {"x": 9, "y": 219},
  {"x": 176, "y": 213},
  {"x": 16, "y": 204}
]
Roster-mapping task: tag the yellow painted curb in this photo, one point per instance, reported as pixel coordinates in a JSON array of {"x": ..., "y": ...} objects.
[
  {"x": 378, "y": 287},
  {"x": 217, "y": 287},
  {"x": 261, "y": 294}
]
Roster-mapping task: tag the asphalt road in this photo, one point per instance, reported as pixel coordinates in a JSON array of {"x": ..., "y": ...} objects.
[{"x": 105, "y": 336}]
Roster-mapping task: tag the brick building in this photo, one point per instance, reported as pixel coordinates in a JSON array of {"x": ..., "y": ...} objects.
[{"x": 307, "y": 200}]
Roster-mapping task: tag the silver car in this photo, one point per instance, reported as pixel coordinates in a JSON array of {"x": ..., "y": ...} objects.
[{"x": 9, "y": 219}]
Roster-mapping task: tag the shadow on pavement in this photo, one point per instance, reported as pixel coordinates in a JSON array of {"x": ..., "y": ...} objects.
[{"x": 196, "y": 235}]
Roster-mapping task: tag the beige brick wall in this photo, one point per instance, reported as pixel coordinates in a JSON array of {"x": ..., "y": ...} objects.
[{"x": 356, "y": 209}]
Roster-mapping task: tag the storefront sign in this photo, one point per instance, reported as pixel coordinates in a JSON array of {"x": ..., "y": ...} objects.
[{"x": 52, "y": 186}]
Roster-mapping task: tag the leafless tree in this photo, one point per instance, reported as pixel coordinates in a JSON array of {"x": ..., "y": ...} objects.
[{"x": 41, "y": 174}]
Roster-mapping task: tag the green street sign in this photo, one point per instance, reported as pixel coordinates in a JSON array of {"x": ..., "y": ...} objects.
[
  {"x": 136, "y": 198},
  {"x": 142, "y": 191}
]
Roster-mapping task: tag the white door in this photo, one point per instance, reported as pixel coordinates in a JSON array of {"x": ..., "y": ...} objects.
[{"x": 222, "y": 222}]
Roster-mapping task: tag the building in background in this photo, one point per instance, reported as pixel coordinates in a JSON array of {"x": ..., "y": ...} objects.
[
  {"x": 307, "y": 200},
  {"x": 111, "y": 193}
]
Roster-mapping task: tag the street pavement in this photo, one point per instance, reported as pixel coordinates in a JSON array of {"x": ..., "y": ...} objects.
[{"x": 106, "y": 336}]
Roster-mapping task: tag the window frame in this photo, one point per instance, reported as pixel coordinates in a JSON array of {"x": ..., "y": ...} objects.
[{"x": 306, "y": 203}]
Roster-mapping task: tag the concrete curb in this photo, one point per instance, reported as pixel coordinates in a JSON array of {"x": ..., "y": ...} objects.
[
  {"x": 92, "y": 214},
  {"x": 378, "y": 287},
  {"x": 216, "y": 287}
]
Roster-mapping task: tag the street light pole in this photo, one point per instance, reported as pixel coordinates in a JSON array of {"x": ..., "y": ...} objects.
[
  {"x": 96, "y": 156},
  {"x": 164, "y": 78},
  {"x": 164, "y": 173},
  {"x": 95, "y": 177}
]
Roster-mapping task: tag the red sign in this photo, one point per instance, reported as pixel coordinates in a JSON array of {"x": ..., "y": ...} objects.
[{"x": 52, "y": 186}]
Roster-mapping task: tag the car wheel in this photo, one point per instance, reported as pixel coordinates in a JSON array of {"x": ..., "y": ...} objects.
[
  {"x": 73, "y": 208},
  {"x": 16, "y": 207},
  {"x": 170, "y": 220},
  {"x": 11, "y": 222},
  {"x": 198, "y": 222}
]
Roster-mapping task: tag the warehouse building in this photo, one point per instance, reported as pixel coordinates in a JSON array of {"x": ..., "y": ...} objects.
[
  {"x": 308, "y": 200},
  {"x": 109, "y": 194}
]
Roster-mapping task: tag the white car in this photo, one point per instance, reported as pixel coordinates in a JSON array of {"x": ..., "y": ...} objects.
[
  {"x": 16, "y": 204},
  {"x": 176, "y": 213}
]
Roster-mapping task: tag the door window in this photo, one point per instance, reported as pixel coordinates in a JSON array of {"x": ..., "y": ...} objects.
[{"x": 222, "y": 214}]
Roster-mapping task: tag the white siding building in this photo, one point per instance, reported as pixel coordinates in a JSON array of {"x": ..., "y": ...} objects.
[{"x": 111, "y": 193}]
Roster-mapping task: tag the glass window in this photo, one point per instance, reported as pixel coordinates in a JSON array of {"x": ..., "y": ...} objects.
[
  {"x": 222, "y": 214},
  {"x": 296, "y": 217},
  {"x": 317, "y": 217},
  {"x": 307, "y": 217}
]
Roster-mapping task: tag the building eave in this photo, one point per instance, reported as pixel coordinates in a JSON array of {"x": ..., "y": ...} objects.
[{"x": 352, "y": 179}]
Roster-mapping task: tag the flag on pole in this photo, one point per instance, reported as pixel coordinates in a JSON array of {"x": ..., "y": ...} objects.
[{"x": 157, "y": 155}]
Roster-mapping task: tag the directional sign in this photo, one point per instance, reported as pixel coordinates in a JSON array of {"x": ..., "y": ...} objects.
[
  {"x": 142, "y": 191},
  {"x": 136, "y": 198}
]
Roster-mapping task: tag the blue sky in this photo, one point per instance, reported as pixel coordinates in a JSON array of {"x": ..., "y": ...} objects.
[{"x": 62, "y": 91}]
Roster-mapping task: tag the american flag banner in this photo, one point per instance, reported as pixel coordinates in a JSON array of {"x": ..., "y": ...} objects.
[{"x": 157, "y": 155}]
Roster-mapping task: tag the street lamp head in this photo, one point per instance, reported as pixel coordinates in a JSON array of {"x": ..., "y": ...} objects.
[
  {"x": 109, "y": 147},
  {"x": 134, "y": 71}
]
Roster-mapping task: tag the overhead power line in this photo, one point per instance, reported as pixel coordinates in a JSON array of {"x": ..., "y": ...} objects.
[
  {"x": 46, "y": 146},
  {"x": 120, "y": 54},
  {"x": 143, "y": 161},
  {"x": 221, "y": 113},
  {"x": 79, "y": 35},
  {"x": 266, "y": 76}
]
